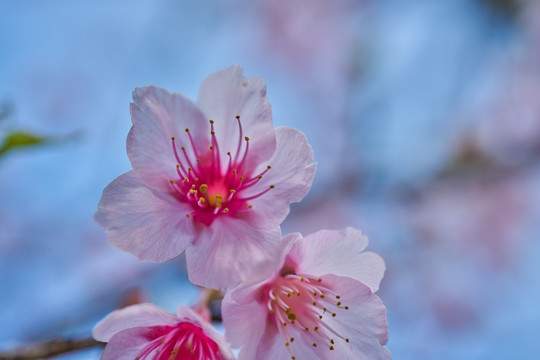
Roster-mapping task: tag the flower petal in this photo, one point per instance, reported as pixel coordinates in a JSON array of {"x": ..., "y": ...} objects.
[
  {"x": 291, "y": 175},
  {"x": 226, "y": 94},
  {"x": 157, "y": 116},
  {"x": 140, "y": 315},
  {"x": 186, "y": 314},
  {"x": 151, "y": 225},
  {"x": 231, "y": 250},
  {"x": 126, "y": 344},
  {"x": 247, "y": 327},
  {"x": 339, "y": 253},
  {"x": 244, "y": 319},
  {"x": 364, "y": 323}
]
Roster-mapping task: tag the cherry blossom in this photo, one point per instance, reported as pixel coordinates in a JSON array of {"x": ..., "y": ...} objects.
[
  {"x": 213, "y": 179},
  {"x": 318, "y": 304},
  {"x": 145, "y": 332}
]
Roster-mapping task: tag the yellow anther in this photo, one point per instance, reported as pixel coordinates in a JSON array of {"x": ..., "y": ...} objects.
[
  {"x": 211, "y": 121},
  {"x": 226, "y": 210},
  {"x": 177, "y": 165},
  {"x": 219, "y": 200},
  {"x": 203, "y": 188},
  {"x": 338, "y": 303},
  {"x": 189, "y": 168},
  {"x": 183, "y": 148},
  {"x": 211, "y": 148},
  {"x": 186, "y": 179},
  {"x": 198, "y": 160},
  {"x": 250, "y": 206},
  {"x": 212, "y": 133},
  {"x": 287, "y": 344},
  {"x": 172, "y": 138},
  {"x": 188, "y": 215},
  {"x": 260, "y": 177},
  {"x": 234, "y": 171},
  {"x": 171, "y": 181},
  {"x": 232, "y": 191},
  {"x": 201, "y": 199},
  {"x": 241, "y": 178}
]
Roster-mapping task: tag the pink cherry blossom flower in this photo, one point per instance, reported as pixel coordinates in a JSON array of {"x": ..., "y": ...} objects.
[
  {"x": 214, "y": 179},
  {"x": 318, "y": 304},
  {"x": 145, "y": 332}
]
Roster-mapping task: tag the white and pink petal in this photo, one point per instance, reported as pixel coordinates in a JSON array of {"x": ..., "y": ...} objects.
[
  {"x": 226, "y": 94},
  {"x": 230, "y": 251},
  {"x": 140, "y": 315},
  {"x": 291, "y": 175},
  {"x": 340, "y": 253},
  {"x": 364, "y": 323},
  {"x": 151, "y": 225},
  {"x": 158, "y": 116}
]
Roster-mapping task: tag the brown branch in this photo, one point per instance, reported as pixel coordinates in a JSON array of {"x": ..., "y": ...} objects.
[{"x": 48, "y": 349}]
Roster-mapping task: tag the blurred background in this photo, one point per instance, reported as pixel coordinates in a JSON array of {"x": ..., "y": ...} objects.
[{"x": 424, "y": 117}]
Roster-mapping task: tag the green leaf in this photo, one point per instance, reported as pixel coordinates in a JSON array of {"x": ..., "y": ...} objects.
[{"x": 19, "y": 139}]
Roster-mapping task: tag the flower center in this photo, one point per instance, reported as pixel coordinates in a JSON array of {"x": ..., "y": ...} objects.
[
  {"x": 183, "y": 341},
  {"x": 211, "y": 187},
  {"x": 304, "y": 305}
]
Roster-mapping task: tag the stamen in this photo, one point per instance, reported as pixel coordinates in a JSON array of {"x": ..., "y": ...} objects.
[
  {"x": 217, "y": 169},
  {"x": 257, "y": 177},
  {"x": 239, "y": 138},
  {"x": 192, "y": 143},
  {"x": 245, "y": 154},
  {"x": 257, "y": 195}
]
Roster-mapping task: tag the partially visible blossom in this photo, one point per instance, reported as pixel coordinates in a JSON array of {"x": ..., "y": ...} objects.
[
  {"x": 214, "y": 179},
  {"x": 145, "y": 332},
  {"x": 318, "y": 304}
]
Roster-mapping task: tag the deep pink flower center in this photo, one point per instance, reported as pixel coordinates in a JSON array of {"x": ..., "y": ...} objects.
[
  {"x": 211, "y": 187},
  {"x": 184, "y": 341},
  {"x": 302, "y": 305}
]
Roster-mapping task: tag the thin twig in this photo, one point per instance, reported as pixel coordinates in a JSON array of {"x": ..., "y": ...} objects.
[{"x": 48, "y": 349}]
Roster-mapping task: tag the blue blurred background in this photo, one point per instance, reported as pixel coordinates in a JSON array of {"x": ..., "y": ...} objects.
[{"x": 424, "y": 117}]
